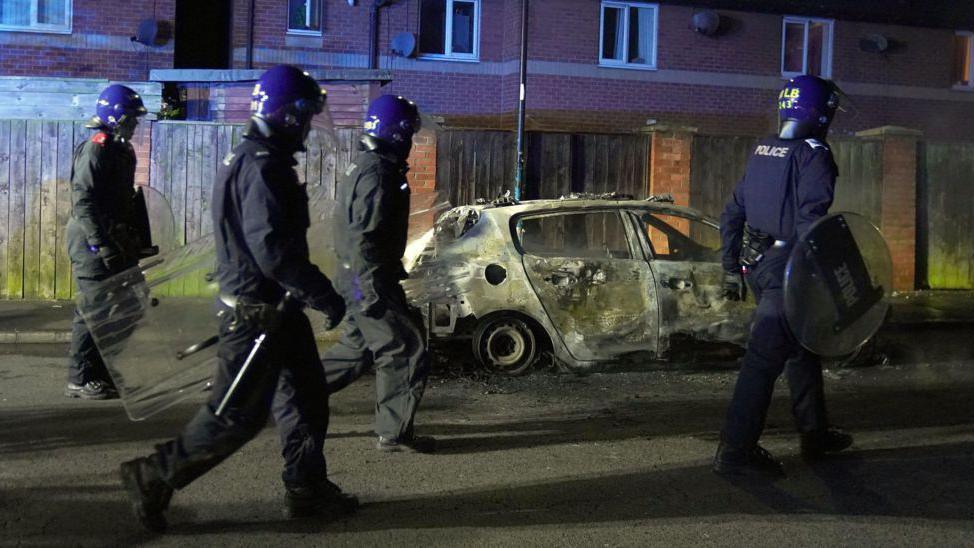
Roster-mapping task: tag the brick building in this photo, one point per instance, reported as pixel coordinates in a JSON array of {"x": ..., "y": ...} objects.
[
  {"x": 674, "y": 69},
  {"x": 595, "y": 65}
]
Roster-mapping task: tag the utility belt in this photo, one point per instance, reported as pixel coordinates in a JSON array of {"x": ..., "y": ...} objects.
[
  {"x": 754, "y": 246},
  {"x": 248, "y": 312}
]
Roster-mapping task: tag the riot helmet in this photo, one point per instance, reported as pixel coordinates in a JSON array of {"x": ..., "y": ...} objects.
[
  {"x": 393, "y": 120},
  {"x": 117, "y": 111},
  {"x": 289, "y": 101},
  {"x": 806, "y": 106}
]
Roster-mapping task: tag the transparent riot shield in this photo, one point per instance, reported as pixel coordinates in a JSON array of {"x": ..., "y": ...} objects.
[
  {"x": 154, "y": 325},
  {"x": 155, "y": 226},
  {"x": 837, "y": 283}
]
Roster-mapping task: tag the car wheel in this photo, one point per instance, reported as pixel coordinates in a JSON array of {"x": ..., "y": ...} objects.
[{"x": 505, "y": 344}]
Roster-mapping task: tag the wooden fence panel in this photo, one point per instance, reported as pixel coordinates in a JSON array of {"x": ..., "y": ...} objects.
[
  {"x": 480, "y": 164},
  {"x": 859, "y": 187},
  {"x": 946, "y": 213},
  {"x": 6, "y": 139},
  {"x": 717, "y": 164},
  {"x": 48, "y": 210},
  {"x": 17, "y": 219},
  {"x": 63, "y": 283}
]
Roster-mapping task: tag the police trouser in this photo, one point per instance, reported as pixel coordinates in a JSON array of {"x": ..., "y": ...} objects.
[
  {"x": 394, "y": 343},
  {"x": 85, "y": 363},
  {"x": 770, "y": 347},
  {"x": 285, "y": 378}
]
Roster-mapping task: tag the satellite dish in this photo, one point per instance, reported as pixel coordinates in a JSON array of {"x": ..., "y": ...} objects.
[
  {"x": 874, "y": 43},
  {"x": 706, "y": 22},
  {"x": 404, "y": 44},
  {"x": 148, "y": 32}
]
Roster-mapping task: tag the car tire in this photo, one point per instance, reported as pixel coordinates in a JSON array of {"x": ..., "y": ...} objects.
[{"x": 505, "y": 344}]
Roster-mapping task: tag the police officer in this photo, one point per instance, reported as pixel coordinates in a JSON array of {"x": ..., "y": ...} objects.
[
  {"x": 788, "y": 185},
  {"x": 101, "y": 233},
  {"x": 370, "y": 238},
  {"x": 260, "y": 219}
]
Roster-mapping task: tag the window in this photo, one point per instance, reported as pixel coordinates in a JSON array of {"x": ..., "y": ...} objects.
[
  {"x": 595, "y": 235},
  {"x": 675, "y": 238},
  {"x": 964, "y": 60},
  {"x": 449, "y": 29},
  {"x": 36, "y": 15},
  {"x": 806, "y": 47},
  {"x": 304, "y": 17},
  {"x": 628, "y": 37}
]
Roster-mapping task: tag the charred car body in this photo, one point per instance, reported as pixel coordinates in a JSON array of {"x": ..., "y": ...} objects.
[{"x": 589, "y": 280}]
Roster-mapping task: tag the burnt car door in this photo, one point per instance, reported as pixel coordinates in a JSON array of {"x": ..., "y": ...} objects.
[
  {"x": 684, "y": 254},
  {"x": 592, "y": 280}
]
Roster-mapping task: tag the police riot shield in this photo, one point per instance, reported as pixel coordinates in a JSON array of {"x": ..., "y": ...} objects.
[
  {"x": 837, "y": 283},
  {"x": 154, "y": 326},
  {"x": 155, "y": 224}
]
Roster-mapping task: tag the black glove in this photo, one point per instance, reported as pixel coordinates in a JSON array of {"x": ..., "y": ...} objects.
[
  {"x": 734, "y": 287},
  {"x": 333, "y": 307},
  {"x": 114, "y": 261}
]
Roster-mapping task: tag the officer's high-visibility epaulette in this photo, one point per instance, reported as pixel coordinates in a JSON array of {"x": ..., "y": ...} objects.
[{"x": 100, "y": 138}]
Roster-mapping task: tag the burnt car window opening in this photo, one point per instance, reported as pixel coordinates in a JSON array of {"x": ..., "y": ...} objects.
[
  {"x": 674, "y": 238},
  {"x": 590, "y": 235}
]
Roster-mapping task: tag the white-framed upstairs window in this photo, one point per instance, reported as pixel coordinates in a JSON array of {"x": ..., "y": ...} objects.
[
  {"x": 449, "y": 29},
  {"x": 806, "y": 46},
  {"x": 36, "y": 16},
  {"x": 964, "y": 60},
  {"x": 628, "y": 34},
  {"x": 304, "y": 17}
]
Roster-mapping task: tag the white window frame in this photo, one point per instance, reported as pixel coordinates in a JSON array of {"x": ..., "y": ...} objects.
[
  {"x": 970, "y": 85},
  {"x": 37, "y": 27},
  {"x": 827, "y": 45},
  {"x": 448, "y": 54},
  {"x": 306, "y": 32},
  {"x": 615, "y": 63}
]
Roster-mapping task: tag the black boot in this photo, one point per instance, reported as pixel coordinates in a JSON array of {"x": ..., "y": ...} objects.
[
  {"x": 819, "y": 443},
  {"x": 147, "y": 491},
  {"x": 322, "y": 498},
  {"x": 412, "y": 444},
  {"x": 754, "y": 461}
]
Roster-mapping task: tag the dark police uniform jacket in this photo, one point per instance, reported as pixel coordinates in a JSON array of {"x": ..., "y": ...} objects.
[
  {"x": 102, "y": 203},
  {"x": 260, "y": 219},
  {"x": 374, "y": 204},
  {"x": 788, "y": 185}
]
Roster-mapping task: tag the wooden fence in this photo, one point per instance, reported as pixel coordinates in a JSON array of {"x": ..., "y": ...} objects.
[
  {"x": 719, "y": 162},
  {"x": 945, "y": 210},
  {"x": 35, "y": 204},
  {"x": 36, "y": 156},
  {"x": 480, "y": 164}
]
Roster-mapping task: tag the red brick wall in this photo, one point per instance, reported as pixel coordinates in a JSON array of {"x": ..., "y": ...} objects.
[{"x": 60, "y": 55}]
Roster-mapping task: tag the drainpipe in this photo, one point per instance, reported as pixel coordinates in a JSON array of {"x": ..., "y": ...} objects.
[
  {"x": 522, "y": 89},
  {"x": 374, "y": 31},
  {"x": 250, "y": 34}
]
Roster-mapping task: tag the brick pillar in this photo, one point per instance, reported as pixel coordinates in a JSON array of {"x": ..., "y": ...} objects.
[
  {"x": 422, "y": 181},
  {"x": 898, "y": 211},
  {"x": 142, "y": 143},
  {"x": 669, "y": 171}
]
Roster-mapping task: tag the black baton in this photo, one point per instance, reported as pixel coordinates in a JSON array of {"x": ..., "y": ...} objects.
[{"x": 258, "y": 343}]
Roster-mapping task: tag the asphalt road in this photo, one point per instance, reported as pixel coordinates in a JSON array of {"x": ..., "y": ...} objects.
[{"x": 602, "y": 460}]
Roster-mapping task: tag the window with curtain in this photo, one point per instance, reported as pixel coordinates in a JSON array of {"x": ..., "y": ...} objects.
[
  {"x": 35, "y": 15},
  {"x": 628, "y": 32},
  {"x": 964, "y": 60},
  {"x": 449, "y": 29},
  {"x": 806, "y": 47},
  {"x": 304, "y": 17}
]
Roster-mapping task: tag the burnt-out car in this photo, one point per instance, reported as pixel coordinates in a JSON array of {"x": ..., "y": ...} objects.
[{"x": 585, "y": 279}]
